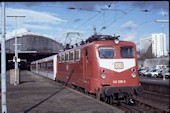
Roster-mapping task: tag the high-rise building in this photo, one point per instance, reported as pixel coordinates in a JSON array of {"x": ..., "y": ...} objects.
[
  {"x": 159, "y": 44},
  {"x": 145, "y": 45}
]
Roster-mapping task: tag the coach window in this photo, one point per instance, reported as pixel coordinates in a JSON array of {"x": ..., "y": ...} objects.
[
  {"x": 50, "y": 66},
  {"x": 39, "y": 66},
  {"x": 127, "y": 52},
  {"x": 77, "y": 55},
  {"x": 66, "y": 57},
  {"x": 71, "y": 56},
  {"x": 43, "y": 66},
  {"x": 106, "y": 52}
]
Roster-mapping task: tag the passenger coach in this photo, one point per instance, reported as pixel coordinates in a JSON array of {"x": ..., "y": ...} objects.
[{"x": 46, "y": 67}]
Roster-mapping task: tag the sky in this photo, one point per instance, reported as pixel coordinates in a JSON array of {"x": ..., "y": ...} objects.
[{"x": 131, "y": 20}]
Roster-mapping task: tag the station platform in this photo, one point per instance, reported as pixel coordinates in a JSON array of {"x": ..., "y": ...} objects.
[
  {"x": 157, "y": 85},
  {"x": 36, "y": 94},
  {"x": 154, "y": 80}
]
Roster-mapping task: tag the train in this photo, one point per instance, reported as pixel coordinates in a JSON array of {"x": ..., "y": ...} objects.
[{"x": 103, "y": 66}]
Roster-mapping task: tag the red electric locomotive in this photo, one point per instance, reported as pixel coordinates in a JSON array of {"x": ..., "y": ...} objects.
[{"x": 103, "y": 66}]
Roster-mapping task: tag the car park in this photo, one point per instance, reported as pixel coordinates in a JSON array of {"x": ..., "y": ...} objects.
[{"x": 154, "y": 73}]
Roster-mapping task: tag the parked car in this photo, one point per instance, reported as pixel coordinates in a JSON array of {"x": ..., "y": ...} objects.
[
  {"x": 142, "y": 72},
  {"x": 154, "y": 73},
  {"x": 145, "y": 73},
  {"x": 166, "y": 73}
]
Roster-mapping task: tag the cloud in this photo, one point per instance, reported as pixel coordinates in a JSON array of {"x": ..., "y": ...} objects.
[
  {"x": 35, "y": 21},
  {"x": 152, "y": 5},
  {"x": 33, "y": 16},
  {"x": 77, "y": 20},
  {"x": 164, "y": 13},
  {"x": 130, "y": 36},
  {"x": 18, "y": 31},
  {"x": 86, "y": 5},
  {"x": 129, "y": 25},
  {"x": 39, "y": 27},
  {"x": 28, "y": 4}
]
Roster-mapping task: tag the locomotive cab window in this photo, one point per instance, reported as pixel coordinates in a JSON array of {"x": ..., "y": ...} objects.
[
  {"x": 106, "y": 52},
  {"x": 127, "y": 52}
]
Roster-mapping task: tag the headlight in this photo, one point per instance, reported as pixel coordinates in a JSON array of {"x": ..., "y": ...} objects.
[
  {"x": 116, "y": 41},
  {"x": 133, "y": 75},
  {"x": 103, "y": 76}
]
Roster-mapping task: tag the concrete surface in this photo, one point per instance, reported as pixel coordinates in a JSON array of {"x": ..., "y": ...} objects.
[{"x": 36, "y": 94}]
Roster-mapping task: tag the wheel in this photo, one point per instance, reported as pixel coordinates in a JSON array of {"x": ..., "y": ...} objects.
[
  {"x": 98, "y": 96},
  {"x": 111, "y": 100},
  {"x": 154, "y": 75}
]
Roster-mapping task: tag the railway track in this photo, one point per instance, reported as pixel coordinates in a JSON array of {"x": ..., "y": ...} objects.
[
  {"x": 148, "y": 102},
  {"x": 154, "y": 101}
]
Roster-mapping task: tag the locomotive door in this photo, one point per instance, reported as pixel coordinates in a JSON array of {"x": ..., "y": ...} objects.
[{"x": 85, "y": 64}]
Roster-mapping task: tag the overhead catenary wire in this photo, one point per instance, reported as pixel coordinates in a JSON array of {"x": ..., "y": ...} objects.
[
  {"x": 86, "y": 21},
  {"x": 107, "y": 26},
  {"x": 68, "y": 24},
  {"x": 146, "y": 22}
]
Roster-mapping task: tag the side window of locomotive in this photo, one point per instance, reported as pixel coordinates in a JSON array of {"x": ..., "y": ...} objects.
[
  {"x": 63, "y": 57},
  {"x": 127, "y": 52},
  {"x": 66, "y": 57},
  {"x": 106, "y": 53},
  {"x": 59, "y": 58},
  {"x": 77, "y": 55},
  {"x": 71, "y": 56}
]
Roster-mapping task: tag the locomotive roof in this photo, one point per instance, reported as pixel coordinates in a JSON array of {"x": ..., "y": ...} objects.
[{"x": 95, "y": 39}]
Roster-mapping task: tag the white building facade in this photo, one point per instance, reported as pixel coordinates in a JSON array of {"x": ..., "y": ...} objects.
[{"x": 159, "y": 44}]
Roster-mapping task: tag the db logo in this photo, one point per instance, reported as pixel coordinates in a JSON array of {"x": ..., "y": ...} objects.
[{"x": 118, "y": 65}]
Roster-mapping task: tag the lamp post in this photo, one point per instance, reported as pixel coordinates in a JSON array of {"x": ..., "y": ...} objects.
[
  {"x": 16, "y": 50},
  {"x": 162, "y": 21},
  {"x": 3, "y": 63}
]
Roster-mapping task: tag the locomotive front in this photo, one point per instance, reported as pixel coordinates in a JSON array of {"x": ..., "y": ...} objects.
[{"x": 117, "y": 70}]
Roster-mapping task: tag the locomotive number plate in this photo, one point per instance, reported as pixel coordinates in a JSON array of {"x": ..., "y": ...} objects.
[
  {"x": 119, "y": 81},
  {"x": 118, "y": 65}
]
